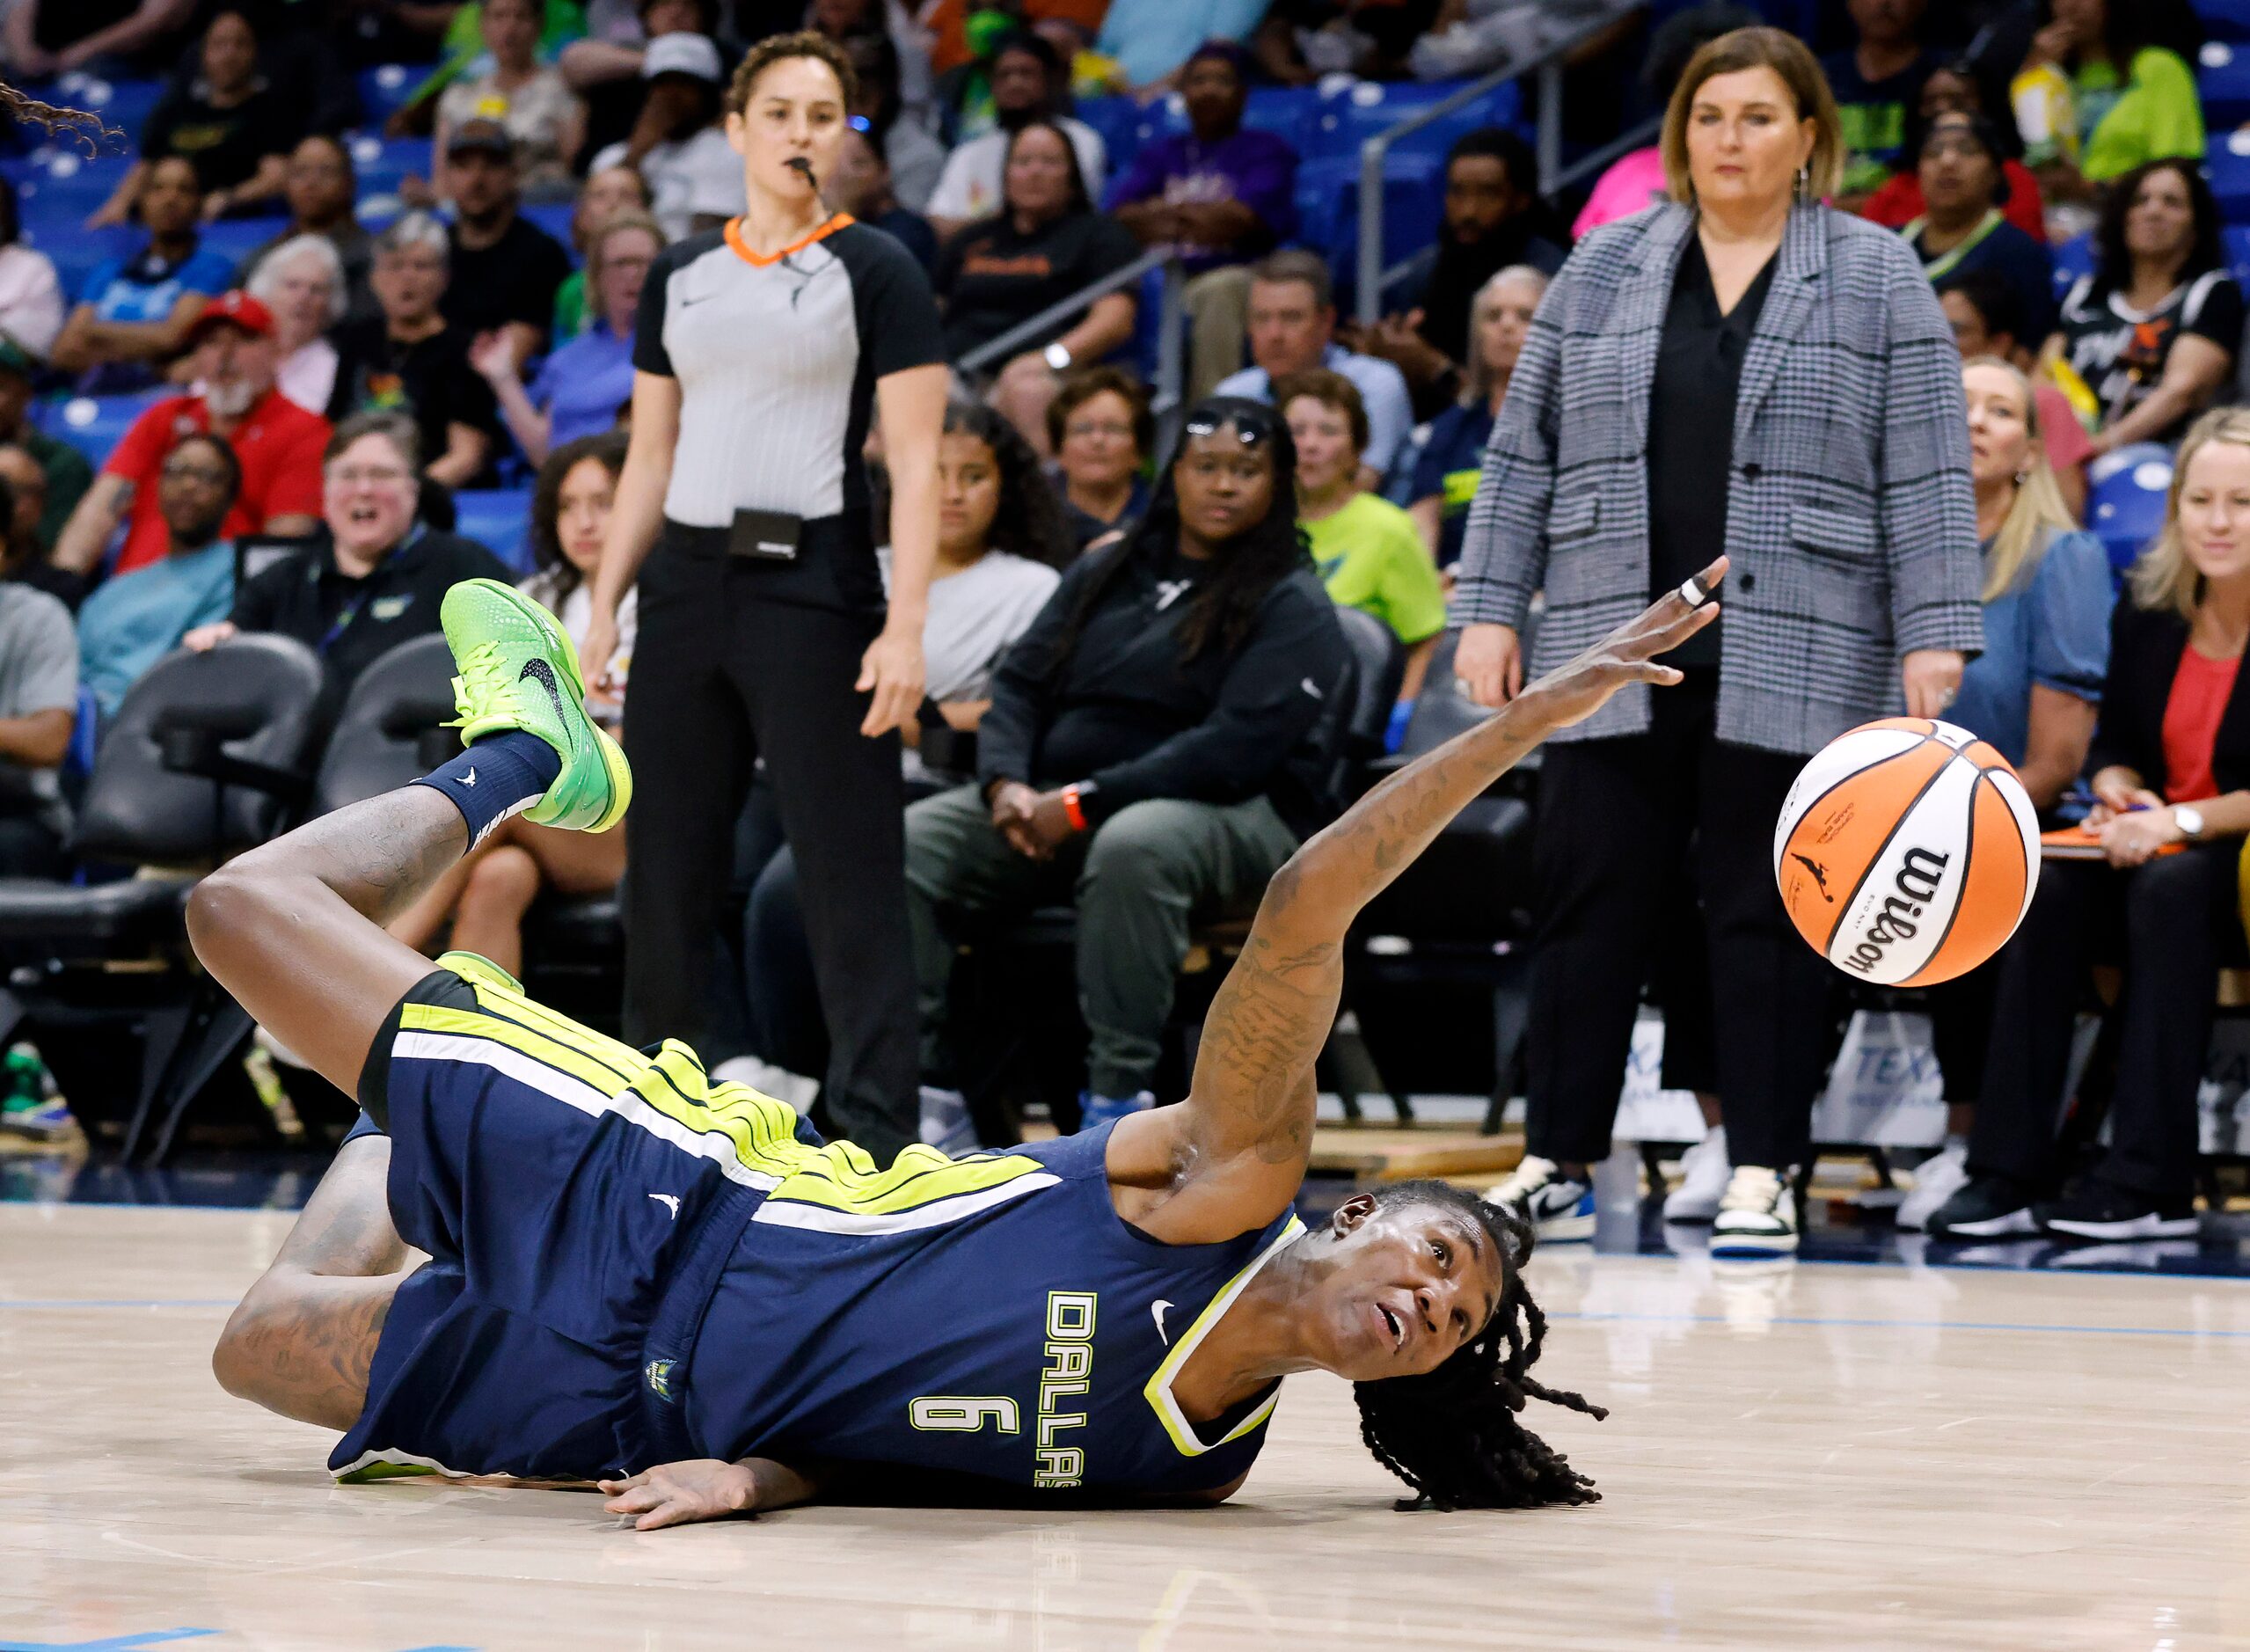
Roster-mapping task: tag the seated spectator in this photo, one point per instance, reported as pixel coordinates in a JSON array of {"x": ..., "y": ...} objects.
[
  {"x": 1301, "y": 40},
  {"x": 861, "y": 185},
  {"x": 482, "y": 901},
  {"x": 1000, "y": 540},
  {"x": 504, "y": 268},
  {"x": 1875, "y": 84},
  {"x": 1292, "y": 330},
  {"x": 2032, "y": 694},
  {"x": 608, "y": 191},
  {"x": 31, "y": 293},
  {"x": 302, "y": 282},
  {"x": 375, "y": 578},
  {"x": 1366, "y": 548},
  {"x": 65, "y": 473},
  {"x": 1452, "y": 458},
  {"x": 1144, "y": 753},
  {"x": 1155, "y": 42},
  {"x": 679, "y": 144},
  {"x": 1101, "y": 431},
  {"x": 1962, "y": 227},
  {"x": 2129, "y": 97},
  {"x": 2151, "y": 333},
  {"x": 1030, "y": 83},
  {"x": 56, "y": 37},
  {"x": 133, "y": 621},
  {"x": 1221, "y": 195},
  {"x": 278, "y": 442},
  {"x": 1635, "y": 180},
  {"x": 22, "y": 500},
  {"x": 608, "y": 58},
  {"x": 319, "y": 187},
  {"x": 1981, "y": 309},
  {"x": 1491, "y": 210},
  {"x": 227, "y": 122},
  {"x": 580, "y": 387},
  {"x": 410, "y": 360},
  {"x": 528, "y": 98},
  {"x": 134, "y": 313},
  {"x": 1953, "y": 88},
  {"x": 848, "y": 21},
  {"x": 2172, "y": 785},
  {"x": 38, "y": 710},
  {"x": 1047, "y": 242},
  {"x": 915, "y": 158}
]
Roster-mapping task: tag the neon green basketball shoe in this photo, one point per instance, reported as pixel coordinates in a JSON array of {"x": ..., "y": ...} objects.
[{"x": 519, "y": 670}]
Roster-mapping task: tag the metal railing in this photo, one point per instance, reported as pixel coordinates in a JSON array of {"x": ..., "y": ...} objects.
[
  {"x": 1170, "y": 322},
  {"x": 1548, "y": 65}
]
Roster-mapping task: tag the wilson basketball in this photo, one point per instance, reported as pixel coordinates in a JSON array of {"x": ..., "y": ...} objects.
[{"x": 1907, "y": 851}]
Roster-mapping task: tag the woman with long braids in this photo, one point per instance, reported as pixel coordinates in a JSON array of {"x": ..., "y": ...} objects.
[{"x": 622, "y": 1255}]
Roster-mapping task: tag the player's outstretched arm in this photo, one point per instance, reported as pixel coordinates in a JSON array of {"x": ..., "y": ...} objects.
[
  {"x": 706, "y": 1488},
  {"x": 1240, "y": 1142}
]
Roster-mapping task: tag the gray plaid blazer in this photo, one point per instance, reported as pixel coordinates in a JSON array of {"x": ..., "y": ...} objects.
[{"x": 1850, "y": 521}]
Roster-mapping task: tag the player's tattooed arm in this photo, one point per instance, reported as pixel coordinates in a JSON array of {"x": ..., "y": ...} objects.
[
  {"x": 706, "y": 1488},
  {"x": 1253, "y": 1097}
]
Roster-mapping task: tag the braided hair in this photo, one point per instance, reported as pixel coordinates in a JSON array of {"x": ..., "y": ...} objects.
[
  {"x": 1247, "y": 566},
  {"x": 1454, "y": 1434}
]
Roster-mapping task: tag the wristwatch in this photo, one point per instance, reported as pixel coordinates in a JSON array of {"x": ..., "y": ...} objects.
[
  {"x": 1058, "y": 355},
  {"x": 2189, "y": 819}
]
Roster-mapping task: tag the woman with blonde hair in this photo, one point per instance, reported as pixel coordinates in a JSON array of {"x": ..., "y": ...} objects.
[
  {"x": 2032, "y": 693},
  {"x": 1743, "y": 371},
  {"x": 1447, "y": 467},
  {"x": 2171, "y": 759}
]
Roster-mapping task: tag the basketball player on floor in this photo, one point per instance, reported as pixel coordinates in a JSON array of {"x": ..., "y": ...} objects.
[{"x": 673, "y": 1287}]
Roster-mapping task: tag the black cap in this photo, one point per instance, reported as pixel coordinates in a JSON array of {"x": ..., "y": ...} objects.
[{"x": 481, "y": 136}]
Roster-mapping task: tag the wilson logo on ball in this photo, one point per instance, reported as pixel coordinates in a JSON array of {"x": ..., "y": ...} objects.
[{"x": 1907, "y": 851}]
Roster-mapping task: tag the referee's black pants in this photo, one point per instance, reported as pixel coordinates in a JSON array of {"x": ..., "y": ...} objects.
[
  {"x": 2173, "y": 923},
  {"x": 1621, "y": 820},
  {"x": 722, "y": 675}
]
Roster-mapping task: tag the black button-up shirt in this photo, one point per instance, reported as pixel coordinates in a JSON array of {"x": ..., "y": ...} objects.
[{"x": 1691, "y": 431}]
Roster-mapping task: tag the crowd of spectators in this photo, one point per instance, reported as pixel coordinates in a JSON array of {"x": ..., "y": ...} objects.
[{"x": 326, "y": 396}]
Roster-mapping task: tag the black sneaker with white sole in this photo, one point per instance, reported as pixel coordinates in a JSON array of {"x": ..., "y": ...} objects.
[
  {"x": 2099, "y": 1210},
  {"x": 1989, "y": 1207},
  {"x": 1560, "y": 1207}
]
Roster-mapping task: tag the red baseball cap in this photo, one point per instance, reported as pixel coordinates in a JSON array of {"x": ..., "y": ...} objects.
[{"x": 236, "y": 308}]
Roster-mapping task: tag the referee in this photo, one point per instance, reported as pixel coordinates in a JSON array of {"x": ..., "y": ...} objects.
[{"x": 761, "y": 352}]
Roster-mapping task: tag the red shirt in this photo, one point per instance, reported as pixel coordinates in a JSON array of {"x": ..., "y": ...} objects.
[
  {"x": 1899, "y": 202},
  {"x": 2200, "y": 691},
  {"x": 278, "y": 442}
]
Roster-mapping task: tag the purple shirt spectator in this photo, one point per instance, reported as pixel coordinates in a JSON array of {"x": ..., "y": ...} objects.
[{"x": 1255, "y": 168}]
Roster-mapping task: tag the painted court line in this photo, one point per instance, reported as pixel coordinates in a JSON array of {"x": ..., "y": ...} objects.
[{"x": 1908, "y": 1324}]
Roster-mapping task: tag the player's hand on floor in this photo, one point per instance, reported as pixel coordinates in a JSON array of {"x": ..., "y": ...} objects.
[{"x": 673, "y": 1493}]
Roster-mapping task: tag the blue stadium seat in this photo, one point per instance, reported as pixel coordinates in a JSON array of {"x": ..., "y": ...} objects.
[
  {"x": 235, "y": 239},
  {"x": 96, "y": 424},
  {"x": 1327, "y": 204},
  {"x": 554, "y": 218},
  {"x": 67, "y": 183},
  {"x": 2073, "y": 257},
  {"x": 1362, "y": 110},
  {"x": 1118, "y": 120},
  {"x": 2223, "y": 82},
  {"x": 2125, "y": 499},
  {"x": 383, "y": 163},
  {"x": 2235, "y": 237},
  {"x": 123, "y": 103},
  {"x": 500, "y": 519},
  {"x": 2226, "y": 163},
  {"x": 2225, "y": 19},
  {"x": 386, "y": 87},
  {"x": 77, "y": 250}
]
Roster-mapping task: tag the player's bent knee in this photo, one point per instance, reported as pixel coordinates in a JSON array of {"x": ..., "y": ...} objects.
[
  {"x": 225, "y": 906},
  {"x": 508, "y": 878}
]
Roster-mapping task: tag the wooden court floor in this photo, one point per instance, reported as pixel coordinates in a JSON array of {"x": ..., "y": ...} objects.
[{"x": 1825, "y": 1455}]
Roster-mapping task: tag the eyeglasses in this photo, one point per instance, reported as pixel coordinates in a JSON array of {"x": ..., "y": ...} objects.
[
  {"x": 209, "y": 476},
  {"x": 1097, "y": 428},
  {"x": 374, "y": 476}
]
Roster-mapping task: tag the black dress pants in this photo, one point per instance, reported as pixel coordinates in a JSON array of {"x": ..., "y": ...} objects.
[
  {"x": 2173, "y": 922},
  {"x": 723, "y": 675},
  {"x": 1617, "y": 819}
]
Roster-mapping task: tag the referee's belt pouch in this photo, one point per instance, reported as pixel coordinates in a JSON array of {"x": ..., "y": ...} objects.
[{"x": 765, "y": 535}]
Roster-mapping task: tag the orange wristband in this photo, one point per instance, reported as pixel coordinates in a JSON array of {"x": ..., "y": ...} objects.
[{"x": 1073, "y": 811}]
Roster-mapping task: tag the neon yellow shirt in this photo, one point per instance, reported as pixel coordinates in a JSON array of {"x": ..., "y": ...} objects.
[
  {"x": 2156, "y": 113},
  {"x": 1371, "y": 558}
]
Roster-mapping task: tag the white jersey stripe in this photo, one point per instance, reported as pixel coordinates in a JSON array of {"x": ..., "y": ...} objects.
[{"x": 821, "y": 1218}]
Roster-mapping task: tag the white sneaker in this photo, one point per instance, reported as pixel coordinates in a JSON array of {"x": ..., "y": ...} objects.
[
  {"x": 1935, "y": 1181},
  {"x": 1757, "y": 1215},
  {"x": 1703, "y": 1180},
  {"x": 946, "y": 1123},
  {"x": 1561, "y": 1209}
]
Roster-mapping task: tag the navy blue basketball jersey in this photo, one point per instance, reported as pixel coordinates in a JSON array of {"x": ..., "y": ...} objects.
[{"x": 1020, "y": 1330}]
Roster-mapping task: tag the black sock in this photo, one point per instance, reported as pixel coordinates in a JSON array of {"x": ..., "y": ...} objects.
[{"x": 500, "y": 775}]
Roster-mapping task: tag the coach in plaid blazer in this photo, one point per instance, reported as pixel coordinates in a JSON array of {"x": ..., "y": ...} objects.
[{"x": 1844, "y": 508}]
